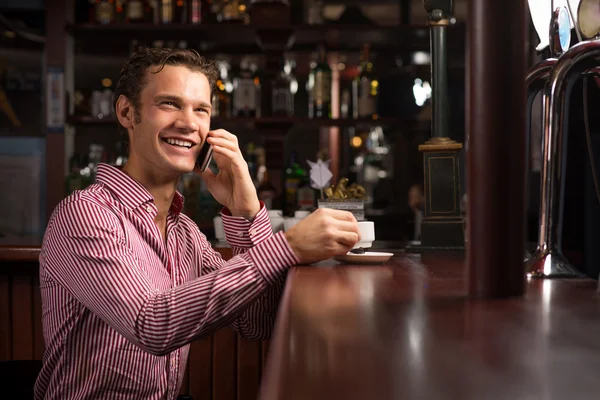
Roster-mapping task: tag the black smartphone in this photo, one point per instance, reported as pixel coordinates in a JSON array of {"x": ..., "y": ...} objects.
[{"x": 204, "y": 157}]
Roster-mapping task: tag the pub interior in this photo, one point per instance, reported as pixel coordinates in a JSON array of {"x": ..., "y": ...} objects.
[{"x": 467, "y": 128}]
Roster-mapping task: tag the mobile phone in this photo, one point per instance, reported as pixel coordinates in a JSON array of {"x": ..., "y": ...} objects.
[{"x": 204, "y": 157}]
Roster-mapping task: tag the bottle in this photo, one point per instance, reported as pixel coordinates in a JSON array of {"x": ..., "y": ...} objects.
[
  {"x": 306, "y": 194},
  {"x": 165, "y": 11},
  {"x": 314, "y": 12},
  {"x": 232, "y": 11},
  {"x": 104, "y": 11},
  {"x": 294, "y": 175},
  {"x": 180, "y": 12},
  {"x": 136, "y": 11},
  {"x": 195, "y": 11},
  {"x": 365, "y": 88},
  {"x": 75, "y": 180},
  {"x": 266, "y": 191},
  {"x": 252, "y": 162},
  {"x": 221, "y": 99},
  {"x": 245, "y": 91},
  {"x": 120, "y": 13},
  {"x": 320, "y": 86},
  {"x": 282, "y": 97}
]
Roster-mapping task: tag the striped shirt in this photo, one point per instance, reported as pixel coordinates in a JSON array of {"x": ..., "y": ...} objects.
[{"x": 121, "y": 304}]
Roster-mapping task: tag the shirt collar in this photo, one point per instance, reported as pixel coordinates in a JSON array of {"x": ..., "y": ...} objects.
[{"x": 129, "y": 191}]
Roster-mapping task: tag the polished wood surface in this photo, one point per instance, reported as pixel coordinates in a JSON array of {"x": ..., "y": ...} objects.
[
  {"x": 496, "y": 141},
  {"x": 409, "y": 330},
  {"x": 19, "y": 250}
]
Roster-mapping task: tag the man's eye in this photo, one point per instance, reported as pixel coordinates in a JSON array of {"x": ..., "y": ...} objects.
[
  {"x": 204, "y": 110},
  {"x": 169, "y": 103}
]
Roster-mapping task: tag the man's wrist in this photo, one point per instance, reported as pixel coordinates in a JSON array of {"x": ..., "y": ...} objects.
[{"x": 248, "y": 214}]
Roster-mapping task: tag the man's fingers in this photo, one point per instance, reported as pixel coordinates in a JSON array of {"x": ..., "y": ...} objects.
[
  {"x": 222, "y": 133},
  {"x": 228, "y": 144},
  {"x": 339, "y": 214},
  {"x": 346, "y": 226},
  {"x": 347, "y": 239}
]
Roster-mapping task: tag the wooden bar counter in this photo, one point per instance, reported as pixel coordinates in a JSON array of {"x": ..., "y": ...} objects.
[{"x": 407, "y": 330}]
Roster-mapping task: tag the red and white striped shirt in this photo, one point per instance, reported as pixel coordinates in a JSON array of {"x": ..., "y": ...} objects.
[{"x": 121, "y": 305}]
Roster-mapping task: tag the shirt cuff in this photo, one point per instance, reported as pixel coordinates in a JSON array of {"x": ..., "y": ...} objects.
[
  {"x": 273, "y": 257},
  {"x": 246, "y": 234}
]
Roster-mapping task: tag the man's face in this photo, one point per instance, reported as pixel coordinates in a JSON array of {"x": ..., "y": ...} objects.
[{"x": 174, "y": 121}]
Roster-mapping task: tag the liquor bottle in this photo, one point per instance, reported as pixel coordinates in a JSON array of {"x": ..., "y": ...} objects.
[
  {"x": 265, "y": 189},
  {"x": 251, "y": 160},
  {"x": 104, "y": 11},
  {"x": 180, "y": 12},
  {"x": 306, "y": 194},
  {"x": 120, "y": 14},
  {"x": 282, "y": 98},
  {"x": 231, "y": 11},
  {"x": 166, "y": 8},
  {"x": 221, "y": 99},
  {"x": 136, "y": 11},
  {"x": 245, "y": 88},
  {"x": 294, "y": 176},
  {"x": 319, "y": 82},
  {"x": 365, "y": 88},
  {"x": 314, "y": 12},
  {"x": 210, "y": 10},
  {"x": 75, "y": 180},
  {"x": 195, "y": 11}
]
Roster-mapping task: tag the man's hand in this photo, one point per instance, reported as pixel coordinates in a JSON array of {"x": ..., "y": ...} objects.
[
  {"x": 323, "y": 234},
  {"x": 232, "y": 186}
]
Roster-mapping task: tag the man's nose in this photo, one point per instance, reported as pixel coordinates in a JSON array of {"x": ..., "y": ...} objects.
[{"x": 186, "y": 121}]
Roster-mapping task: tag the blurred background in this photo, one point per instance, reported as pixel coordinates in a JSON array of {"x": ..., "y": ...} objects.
[{"x": 340, "y": 80}]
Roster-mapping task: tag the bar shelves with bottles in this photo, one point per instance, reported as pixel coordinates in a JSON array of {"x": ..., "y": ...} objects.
[{"x": 278, "y": 62}]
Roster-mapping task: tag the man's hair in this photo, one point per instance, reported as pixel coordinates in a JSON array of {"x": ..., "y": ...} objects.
[{"x": 133, "y": 76}]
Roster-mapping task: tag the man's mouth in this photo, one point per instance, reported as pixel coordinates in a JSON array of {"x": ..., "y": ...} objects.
[{"x": 179, "y": 143}]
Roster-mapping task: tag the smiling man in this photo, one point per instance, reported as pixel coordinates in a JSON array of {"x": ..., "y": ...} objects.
[{"x": 128, "y": 281}]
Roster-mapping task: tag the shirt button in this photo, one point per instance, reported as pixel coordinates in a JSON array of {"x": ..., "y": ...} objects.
[
  {"x": 253, "y": 232},
  {"x": 240, "y": 234},
  {"x": 149, "y": 209}
]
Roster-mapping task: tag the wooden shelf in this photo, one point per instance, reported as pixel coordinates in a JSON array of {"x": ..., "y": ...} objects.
[
  {"x": 243, "y": 39},
  {"x": 275, "y": 122}
]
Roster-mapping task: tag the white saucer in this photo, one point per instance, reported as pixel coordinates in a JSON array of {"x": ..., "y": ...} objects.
[{"x": 369, "y": 257}]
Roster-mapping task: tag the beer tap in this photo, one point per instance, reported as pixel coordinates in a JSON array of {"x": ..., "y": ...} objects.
[
  {"x": 583, "y": 58},
  {"x": 536, "y": 78}
]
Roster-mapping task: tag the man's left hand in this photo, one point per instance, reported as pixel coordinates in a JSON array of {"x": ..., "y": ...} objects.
[{"x": 232, "y": 186}]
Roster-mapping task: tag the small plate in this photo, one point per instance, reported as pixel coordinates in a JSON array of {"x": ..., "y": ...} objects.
[{"x": 369, "y": 257}]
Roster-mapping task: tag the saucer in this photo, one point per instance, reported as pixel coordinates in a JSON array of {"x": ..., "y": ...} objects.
[{"x": 369, "y": 257}]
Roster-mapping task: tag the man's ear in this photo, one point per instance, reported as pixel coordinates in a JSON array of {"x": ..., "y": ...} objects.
[{"x": 125, "y": 112}]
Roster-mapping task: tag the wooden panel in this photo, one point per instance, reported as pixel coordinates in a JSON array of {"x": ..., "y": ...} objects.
[
  {"x": 201, "y": 368},
  {"x": 38, "y": 332},
  {"x": 22, "y": 319},
  {"x": 5, "y": 322},
  {"x": 265, "y": 352},
  {"x": 224, "y": 364},
  {"x": 248, "y": 368},
  {"x": 496, "y": 156}
]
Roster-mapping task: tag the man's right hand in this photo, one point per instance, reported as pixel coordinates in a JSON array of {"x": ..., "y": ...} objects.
[{"x": 323, "y": 234}]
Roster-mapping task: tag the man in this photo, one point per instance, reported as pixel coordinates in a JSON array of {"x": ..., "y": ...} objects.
[{"x": 128, "y": 281}]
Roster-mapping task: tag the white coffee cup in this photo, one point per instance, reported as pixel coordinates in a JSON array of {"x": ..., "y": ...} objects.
[{"x": 367, "y": 234}]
